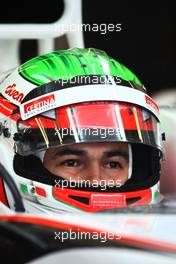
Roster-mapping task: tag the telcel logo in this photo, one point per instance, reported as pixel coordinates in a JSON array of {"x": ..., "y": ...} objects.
[
  {"x": 14, "y": 93},
  {"x": 152, "y": 103}
]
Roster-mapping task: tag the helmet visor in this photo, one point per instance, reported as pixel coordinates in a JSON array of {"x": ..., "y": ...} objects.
[{"x": 88, "y": 122}]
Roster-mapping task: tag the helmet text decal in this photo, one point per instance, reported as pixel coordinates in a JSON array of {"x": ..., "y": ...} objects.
[
  {"x": 39, "y": 105},
  {"x": 14, "y": 93}
]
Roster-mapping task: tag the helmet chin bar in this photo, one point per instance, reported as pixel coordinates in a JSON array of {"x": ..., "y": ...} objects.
[
  {"x": 95, "y": 201},
  {"x": 75, "y": 200}
]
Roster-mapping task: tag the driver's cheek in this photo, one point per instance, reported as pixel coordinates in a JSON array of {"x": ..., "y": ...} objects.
[
  {"x": 67, "y": 172},
  {"x": 116, "y": 177}
]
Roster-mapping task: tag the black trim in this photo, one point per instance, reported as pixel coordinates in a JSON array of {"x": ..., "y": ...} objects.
[{"x": 32, "y": 140}]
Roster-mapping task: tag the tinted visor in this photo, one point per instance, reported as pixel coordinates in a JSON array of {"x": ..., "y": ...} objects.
[{"x": 88, "y": 122}]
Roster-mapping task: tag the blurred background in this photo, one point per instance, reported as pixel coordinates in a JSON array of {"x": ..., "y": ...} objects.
[{"x": 146, "y": 43}]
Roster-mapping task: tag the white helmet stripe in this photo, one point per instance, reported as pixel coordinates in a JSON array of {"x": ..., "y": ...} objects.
[
  {"x": 130, "y": 168},
  {"x": 96, "y": 92}
]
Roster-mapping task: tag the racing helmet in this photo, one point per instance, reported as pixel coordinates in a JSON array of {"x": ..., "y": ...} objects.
[{"x": 69, "y": 97}]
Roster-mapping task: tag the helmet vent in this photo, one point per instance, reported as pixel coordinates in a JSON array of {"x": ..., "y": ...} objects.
[
  {"x": 84, "y": 200},
  {"x": 132, "y": 200}
]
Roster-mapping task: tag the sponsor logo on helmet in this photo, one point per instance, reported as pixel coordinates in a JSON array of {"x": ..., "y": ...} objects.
[
  {"x": 39, "y": 105},
  {"x": 151, "y": 103},
  {"x": 14, "y": 93}
]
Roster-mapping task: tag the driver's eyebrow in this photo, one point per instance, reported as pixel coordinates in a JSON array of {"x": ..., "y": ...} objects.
[
  {"x": 70, "y": 151},
  {"x": 116, "y": 152},
  {"x": 79, "y": 152}
]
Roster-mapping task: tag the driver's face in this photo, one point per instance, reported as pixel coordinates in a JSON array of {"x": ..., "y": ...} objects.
[{"x": 89, "y": 161}]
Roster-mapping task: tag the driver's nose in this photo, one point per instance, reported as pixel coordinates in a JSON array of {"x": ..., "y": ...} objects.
[{"x": 93, "y": 172}]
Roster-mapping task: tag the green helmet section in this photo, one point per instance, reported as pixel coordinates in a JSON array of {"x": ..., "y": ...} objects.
[{"x": 66, "y": 64}]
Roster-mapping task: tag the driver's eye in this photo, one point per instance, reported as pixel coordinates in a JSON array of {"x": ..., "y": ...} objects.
[
  {"x": 70, "y": 163},
  {"x": 112, "y": 165}
]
